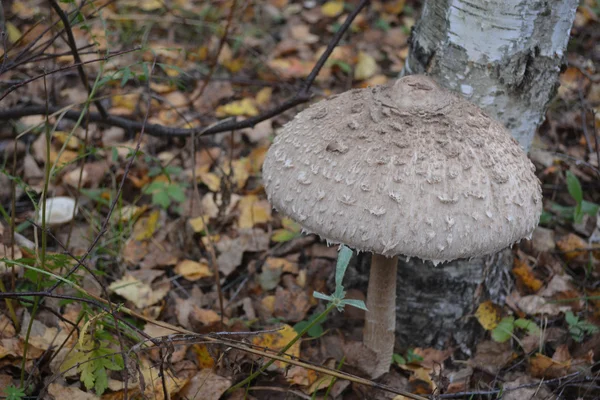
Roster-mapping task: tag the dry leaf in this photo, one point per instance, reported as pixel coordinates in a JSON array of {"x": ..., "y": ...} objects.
[
  {"x": 145, "y": 228},
  {"x": 488, "y": 315},
  {"x": 332, "y": 8},
  {"x": 244, "y": 107},
  {"x": 572, "y": 245},
  {"x": 205, "y": 385},
  {"x": 533, "y": 305},
  {"x": 203, "y": 357},
  {"x": 71, "y": 393},
  {"x": 366, "y": 66},
  {"x": 275, "y": 341},
  {"x": 253, "y": 211},
  {"x": 263, "y": 97},
  {"x": 192, "y": 270},
  {"x": 142, "y": 295},
  {"x": 542, "y": 366},
  {"x": 525, "y": 276}
]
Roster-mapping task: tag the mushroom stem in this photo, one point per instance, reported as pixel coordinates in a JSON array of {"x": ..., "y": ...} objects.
[{"x": 380, "y": 326}]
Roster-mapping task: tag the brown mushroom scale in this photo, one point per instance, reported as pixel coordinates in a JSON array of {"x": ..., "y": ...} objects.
[{"x": 407, "y": 169}]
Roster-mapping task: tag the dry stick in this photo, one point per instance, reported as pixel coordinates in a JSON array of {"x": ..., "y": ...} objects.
[
  {"x": 79, "y": 64},
  {"x": 302, "y": 96},
  {"x": 71, "y": 42},
  {"x": 221, "y": 340},
  {"x": 215, "y": 59}
]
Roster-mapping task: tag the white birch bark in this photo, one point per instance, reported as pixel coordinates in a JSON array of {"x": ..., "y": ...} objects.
[{"x": 505, "y": 56}]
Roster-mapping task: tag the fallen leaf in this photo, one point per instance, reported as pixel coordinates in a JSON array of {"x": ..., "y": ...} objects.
[
  {"x": 534, "y": 305},
  {"x": 204, "y": 316},
  {"x": 525, "y": 276},
  {"x": 332, "y": 8},
  {"x": 205, "y": 385},
  {"x": 291, "y": 304},
  {"x": 253, "y": 211},
  {"x": 203, "y": 357},
  {"x": 193, "y": 270},
  {"x": 43, "y": 337},
  {"x": 275, "y": 341},
  {"x": 145, "y": 227},
  {"x": 492, "y": 356},
  {"x": 542, "y": 366},
  {"x": 488, "y": 315},
  {"x": 263, "y": 97},
  {"x": 244, "y": 107},
  {"x": 573, "y": 246},
  {"x": 231, "y": 251},
  {"x": 68, "y": 392},
  {"x": 142, "y": 295},
  {"x": 366, "y": 66}
]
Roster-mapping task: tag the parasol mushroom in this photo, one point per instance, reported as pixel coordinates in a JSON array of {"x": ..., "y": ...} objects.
[{"x": 409, "y": 169}]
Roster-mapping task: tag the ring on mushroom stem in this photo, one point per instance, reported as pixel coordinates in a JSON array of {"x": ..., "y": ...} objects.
[{"x": 409, "y": 169}]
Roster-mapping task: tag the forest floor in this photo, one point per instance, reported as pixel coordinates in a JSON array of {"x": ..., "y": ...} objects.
[{"x": 178, "y": 234}]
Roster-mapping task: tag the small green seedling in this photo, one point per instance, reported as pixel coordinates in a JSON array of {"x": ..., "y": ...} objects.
[
  {"x": 576, "y": 213},
  {"x": 578, "y": 328},
  {"x": 290, "y": 230},
  {"x": 338, "y": 299},
  {"x": 164, "y": 193},
  {"x": 409, "y": 358},
  {"x": 14, "y": 393},
  {"x": 506, "y": 327}
]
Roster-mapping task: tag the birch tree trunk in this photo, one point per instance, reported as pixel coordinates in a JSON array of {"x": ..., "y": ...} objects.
[{"x": 505, "y": 56}]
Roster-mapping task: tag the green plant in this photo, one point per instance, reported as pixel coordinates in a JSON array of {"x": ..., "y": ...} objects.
[
  {"x": 92, "y": 357},
  {"x": 164, "y": 193},
  {"x": 290, "y": 230},
  {"x": 576, "y": 213},
  {"x": 409, "y": 358},
  {"x": 336, "y": 300},
  {"x": 14, "y": 393},
  {"x": 578, "y": 328},
  {"x": 507, "y": 325}
]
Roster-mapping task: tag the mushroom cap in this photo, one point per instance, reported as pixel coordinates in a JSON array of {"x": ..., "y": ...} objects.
[
  {"x": 405, "y": 168},
  {"x": 59, "y": 210}
]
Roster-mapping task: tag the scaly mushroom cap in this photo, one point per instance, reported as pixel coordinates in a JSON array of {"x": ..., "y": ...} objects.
[{"x": 406, "y": 168}]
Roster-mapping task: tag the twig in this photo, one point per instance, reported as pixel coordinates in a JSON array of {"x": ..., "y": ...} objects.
[
  {"x": 71, "y": 42},
  {"x": 302, "y": 96},
  {"x": 76, "y": 65},
  {"x": 215, "y": 60}
]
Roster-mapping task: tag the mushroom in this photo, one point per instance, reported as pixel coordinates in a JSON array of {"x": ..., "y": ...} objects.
[
  {"x": 409, "y": 169},
  {"x": 59, "y": 210}
]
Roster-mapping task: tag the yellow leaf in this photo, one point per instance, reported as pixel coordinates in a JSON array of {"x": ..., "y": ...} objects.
[
  {"x": 63, "y": 158},
  {"x": 268, "y": 302},
  {"x": 524, "y": 275},
  {"x": 240, "y": 171},
  {"x": 192, "y": 270},
  {"x": 212, "y": 181},
  {"x": 150, "y": 5},
  {"x": 129, "y": 212},
  {"x": 128, "y": 101},
  {"x": 332, "y": 8},
  {"x": 239, "y": 107},
  {"x": 263, "y": 97},
  {"x": 203, "y": 356},
  {"x": 366, "y": 66},
  {"x": 234, "y": 65},
  {"x": 487, "y": 315},
  {"x": 394, "y": 7},
  {"x": 144, "y": 229},
  {"x": 277, "y": 340},
  {"x": 13, "y": 32},
  {"x": 71, "y": 141},
  {"x": 253, "y": 211},
  {"x": 140, "y": 294},
  {"x": 198, "y": 224},
  {"x": 282, "y": 264}
]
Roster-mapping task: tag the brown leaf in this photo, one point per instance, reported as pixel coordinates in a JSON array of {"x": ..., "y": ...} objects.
[
  {"x": 71, "y": 393},
  {"x": 525, "y": 277},
  {"x": 492, "y": 356},
  {"x": 541, "y": 366},
  {"x": 291, "y": 305},
  {"x": 205, "y": 385}
]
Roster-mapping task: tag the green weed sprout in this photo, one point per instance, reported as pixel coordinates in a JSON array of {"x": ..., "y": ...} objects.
[{"x": 336, "y": 300}]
